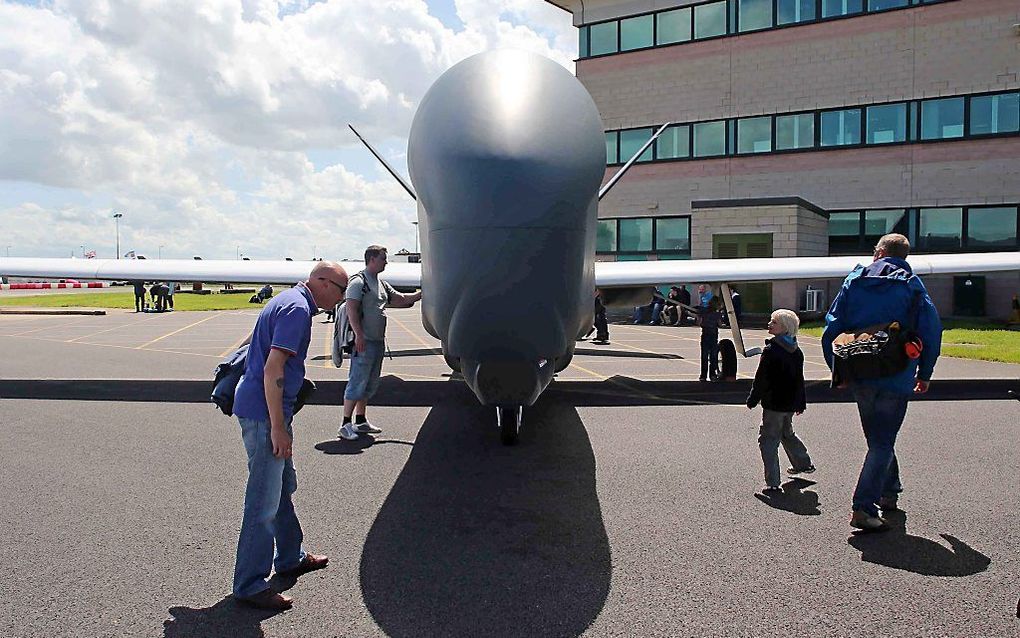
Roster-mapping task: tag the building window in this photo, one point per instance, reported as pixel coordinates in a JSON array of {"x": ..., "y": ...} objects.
[
  {"x": 604, "y": 38},
  {"x": 605, "y": 238},
  {"x": 675, "y": 142},
  {"x": 882, "y": 222},
  {"x": 841, "y": 128},
  {"x": 636, "y": 235},
  {"x": 710, "y": 20},
  {"x": 754, "y": 14},
  {"x": 637, "y": 33},
  {"x": 942, "y": 119},
  {"x": 795, "y": 131},
  {"x": 940, "y": 229},
  {"x": 793, "y": 11},
  {"x": 844, "y": 233},
  {"x": 612, "y": 148},
  {"x": 673, "y": 26},
  {"x": 995, "y": 114},
  {"x": 673, "y": 234},
  {"x": 887, "y": 123},
  {"x": 882, "y": 5},
  {"x": 582, "y": 42},
  {"x": 631, "y": 141},
  {"x": 754, "y": 135},
  {"x": 992, "y": 227},
  {"x": 710, "y": 139},
  {"x": 833, "y": 8}
]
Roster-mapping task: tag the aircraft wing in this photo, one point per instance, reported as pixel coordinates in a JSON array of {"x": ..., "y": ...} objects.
[
  {"x": 212, "y": 271},
  {"x": 651, "y": 273}
]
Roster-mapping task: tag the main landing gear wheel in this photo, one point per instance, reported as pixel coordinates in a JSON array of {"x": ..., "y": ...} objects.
[
  {"x": 509, "y": 418},
  {"x": 728, "y": 360}
]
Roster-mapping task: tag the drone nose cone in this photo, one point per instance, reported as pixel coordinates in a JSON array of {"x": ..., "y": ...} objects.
[
  {"x": 506, "y": 381},
  {"x": 506, "y": 137}
]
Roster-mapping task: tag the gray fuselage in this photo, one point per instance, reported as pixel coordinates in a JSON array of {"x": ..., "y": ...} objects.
[{"x": 506, "y": 154}]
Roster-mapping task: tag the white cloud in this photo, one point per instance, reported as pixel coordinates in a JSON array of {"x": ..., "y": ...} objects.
[{"x": 194, "y": 119}]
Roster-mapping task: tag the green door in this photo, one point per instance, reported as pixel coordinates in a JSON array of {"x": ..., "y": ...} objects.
[{"x": 757, "y": 297}]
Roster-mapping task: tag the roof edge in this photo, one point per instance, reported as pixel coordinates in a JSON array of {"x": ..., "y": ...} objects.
[{"x": 760, "y": 201}]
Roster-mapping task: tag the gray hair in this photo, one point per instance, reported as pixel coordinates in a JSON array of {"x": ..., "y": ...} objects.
[
  {"x": 787, "y": 320},
  {"x": 894, "y": 245}
]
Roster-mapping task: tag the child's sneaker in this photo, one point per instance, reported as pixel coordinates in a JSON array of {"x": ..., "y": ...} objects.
[{"x": 347, "y": 432}]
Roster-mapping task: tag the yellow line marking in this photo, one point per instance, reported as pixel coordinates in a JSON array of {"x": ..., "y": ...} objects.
[
  {"x": 583, "y": 369},
  {"x": 59, "y": 325},
  {"x": 120, "y": 327},
  {"x": 235, "y": 345},
  {"x": 192, "y": 325},
  {"x": 111, "y": 345},
  {"x": 408, "y": 331}
]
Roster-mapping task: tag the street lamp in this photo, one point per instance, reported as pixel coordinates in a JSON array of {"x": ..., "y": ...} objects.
[
  {"x": 8, "y": 251},
  {"x": 116, "y": 220},
  {"x": 159, "y": 251},
  {"x": 415, "y": 237}
]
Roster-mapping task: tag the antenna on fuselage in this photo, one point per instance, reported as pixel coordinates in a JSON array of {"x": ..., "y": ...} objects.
[
  {"x": 396, "y": 176},
  {"x": 619, "y": 173}
]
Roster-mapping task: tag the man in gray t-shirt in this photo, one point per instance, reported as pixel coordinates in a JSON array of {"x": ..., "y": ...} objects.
[{"x": 367, "y": 298}]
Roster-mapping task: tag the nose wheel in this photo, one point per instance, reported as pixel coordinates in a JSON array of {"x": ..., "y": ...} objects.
[{"x": 509, "y": 419}]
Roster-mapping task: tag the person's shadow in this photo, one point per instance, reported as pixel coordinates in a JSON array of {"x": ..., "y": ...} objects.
[
  {"x": 476, "y": 538},
  {"x": 225, "y": 618},
  {"x": 897, "y": 549},
  {"x": 794, "y": 498}
]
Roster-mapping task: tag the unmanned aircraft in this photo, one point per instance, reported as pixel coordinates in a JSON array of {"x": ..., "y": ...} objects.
[{"x": 506, "y": 157}]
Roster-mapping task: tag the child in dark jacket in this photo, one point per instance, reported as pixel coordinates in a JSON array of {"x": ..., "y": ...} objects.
[{"x": 779, "y": 387}]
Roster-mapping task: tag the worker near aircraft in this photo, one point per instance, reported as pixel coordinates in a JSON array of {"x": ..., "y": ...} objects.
[
  {"x": 264, "y": 404},
  {"x": 367, "y": 298}
]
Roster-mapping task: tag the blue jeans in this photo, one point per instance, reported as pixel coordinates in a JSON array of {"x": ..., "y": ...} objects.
[
  {"x": 882, "y": 415},
  {"x": 709, "y": 353},
  {"x": 363, "y": 379},
  {"x": 268, "y": 513}
]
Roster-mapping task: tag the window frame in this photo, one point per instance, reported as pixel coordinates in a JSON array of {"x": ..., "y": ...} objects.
[{"x": 655, "y": 236}]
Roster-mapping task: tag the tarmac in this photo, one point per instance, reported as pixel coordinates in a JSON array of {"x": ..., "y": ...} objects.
[{"x": 628, "y": 508}]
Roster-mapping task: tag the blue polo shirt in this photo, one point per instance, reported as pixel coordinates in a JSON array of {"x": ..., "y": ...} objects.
[{"x": 285, "y": 323}]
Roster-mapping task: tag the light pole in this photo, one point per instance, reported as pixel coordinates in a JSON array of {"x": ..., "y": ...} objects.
[
  {"x": 116, "y": 220},
  {"x": 159, "y": 251},
  {"x": 8, "y": 251},
  {"x": 415, "y": 237},
  {"x": 237, "y": 252}
]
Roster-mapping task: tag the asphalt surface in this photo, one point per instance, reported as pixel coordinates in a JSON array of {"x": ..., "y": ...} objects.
[{"x": 627, "y": 509}]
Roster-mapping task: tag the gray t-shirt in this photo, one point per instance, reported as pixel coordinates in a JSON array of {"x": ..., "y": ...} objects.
[{"x": 373, "y": 307}]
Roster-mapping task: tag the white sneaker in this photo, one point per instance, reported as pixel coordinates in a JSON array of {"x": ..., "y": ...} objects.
[
  {"x": 347, "y": 432},
  {"x": 366, "y": 428}
]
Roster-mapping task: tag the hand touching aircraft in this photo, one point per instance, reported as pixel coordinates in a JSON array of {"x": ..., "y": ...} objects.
[{"x": 506, "y": 155}]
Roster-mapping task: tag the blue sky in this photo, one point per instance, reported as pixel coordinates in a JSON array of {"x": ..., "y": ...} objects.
[{"x": 219, "y": 123}]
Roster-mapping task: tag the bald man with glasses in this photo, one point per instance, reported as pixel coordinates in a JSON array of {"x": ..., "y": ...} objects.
[{"x": 264, "y": 405}]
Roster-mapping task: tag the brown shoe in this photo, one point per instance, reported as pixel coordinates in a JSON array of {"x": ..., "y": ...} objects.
[
  {"x": 309, "y": 563},
  {"x": 267, "y": 599}
]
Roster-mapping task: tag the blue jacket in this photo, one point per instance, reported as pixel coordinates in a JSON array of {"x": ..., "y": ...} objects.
[{"x": 880, "y": 293}]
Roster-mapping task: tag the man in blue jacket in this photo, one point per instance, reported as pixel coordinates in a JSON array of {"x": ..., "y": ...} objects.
[{"x": 883, "y": 292}]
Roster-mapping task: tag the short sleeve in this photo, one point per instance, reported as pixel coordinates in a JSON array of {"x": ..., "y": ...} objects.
[
  {"x": 390, "y": 291},
  {"x": 289, "y": 329},
  {"x": 355, "y": 288}
]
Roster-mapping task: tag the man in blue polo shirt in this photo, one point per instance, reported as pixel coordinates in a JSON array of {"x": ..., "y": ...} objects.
[{"x": 264, "y": 405}]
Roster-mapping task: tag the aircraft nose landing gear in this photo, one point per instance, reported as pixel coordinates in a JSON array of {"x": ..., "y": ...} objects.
[{"x": 509, "y": 419}]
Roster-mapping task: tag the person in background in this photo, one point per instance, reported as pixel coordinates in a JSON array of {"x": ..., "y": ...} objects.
[
  {"x": 779, "y": 387},
  {"x": 139, "y": 287},
  {"x": 704, "y": 295},
  {"x": 171, "y": 286},
  {"x": 709, "y": 318}
]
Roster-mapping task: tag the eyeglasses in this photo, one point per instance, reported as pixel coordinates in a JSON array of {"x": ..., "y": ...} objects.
[{"x": 342, "y": 289}]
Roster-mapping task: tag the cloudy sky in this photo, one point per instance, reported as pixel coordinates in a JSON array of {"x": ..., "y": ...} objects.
[{"x": 219, "y": 127}]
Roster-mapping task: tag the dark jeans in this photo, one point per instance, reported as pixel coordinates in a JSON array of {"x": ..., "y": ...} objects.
[
  {"x": 139, "y": 302},
  {"x": 601, "y": 326},
  {"x": 709, "y": 353},
  {"x": 882, "y": 414}
]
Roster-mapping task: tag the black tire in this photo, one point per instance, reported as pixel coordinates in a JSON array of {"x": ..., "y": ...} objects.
[
  {"x": 728, "y": 360},
  {"x": 508, "y": 430}
]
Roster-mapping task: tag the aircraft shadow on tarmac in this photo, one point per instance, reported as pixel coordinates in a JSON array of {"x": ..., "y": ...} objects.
[
  {"x": 476, "y": 538},
  {"x": 591, "y": 352},
  {"x": 897, "y": 549},
  {"x": 795, "y": 498},
  {"x": 617, "y": 391}
]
